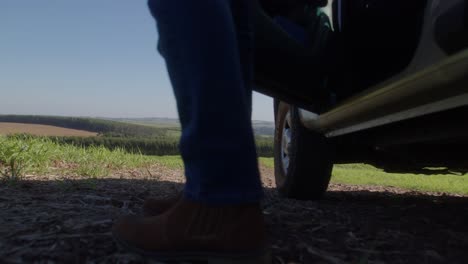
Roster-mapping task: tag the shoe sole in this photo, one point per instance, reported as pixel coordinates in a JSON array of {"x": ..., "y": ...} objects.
[{"x": 259, "y": 257}]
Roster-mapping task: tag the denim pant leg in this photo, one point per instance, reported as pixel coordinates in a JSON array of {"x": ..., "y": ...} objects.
[
  {"x": 243, "y": 14},
  {"x": 199, "y": 41}
]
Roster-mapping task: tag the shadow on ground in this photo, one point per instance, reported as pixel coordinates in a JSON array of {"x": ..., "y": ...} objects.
[{"x": 69, "y": 222}]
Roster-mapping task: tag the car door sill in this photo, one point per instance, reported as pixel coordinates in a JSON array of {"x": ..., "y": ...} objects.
[{"x": 440, "y": 87}]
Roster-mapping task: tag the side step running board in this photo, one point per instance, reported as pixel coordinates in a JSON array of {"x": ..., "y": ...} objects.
[{"x": 437, "y": 88}]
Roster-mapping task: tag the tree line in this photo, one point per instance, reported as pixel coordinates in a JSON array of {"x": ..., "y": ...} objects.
[{"x": 148, "y": 146}]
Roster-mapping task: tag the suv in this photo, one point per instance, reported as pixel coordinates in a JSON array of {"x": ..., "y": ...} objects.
[{"x": 397, "y": 99}]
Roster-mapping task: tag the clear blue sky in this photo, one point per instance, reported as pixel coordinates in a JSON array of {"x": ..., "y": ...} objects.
[{"x": 85, "y": 58}]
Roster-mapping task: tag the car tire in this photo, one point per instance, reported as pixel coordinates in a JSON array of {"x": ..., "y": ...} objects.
[{"x": 303, "y": 158}]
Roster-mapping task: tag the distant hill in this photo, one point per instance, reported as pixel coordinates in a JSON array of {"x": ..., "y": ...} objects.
[
  {"x": 123, "y": 127},
  {"x": 160, "y": 121},
  {"x": 261, "y": 128},
  {"x": 103, "y": 127}
]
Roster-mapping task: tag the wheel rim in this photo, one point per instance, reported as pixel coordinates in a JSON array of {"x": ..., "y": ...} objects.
[{"x": 286, "y": 142}]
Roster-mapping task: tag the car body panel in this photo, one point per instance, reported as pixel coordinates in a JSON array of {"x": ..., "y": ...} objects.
[
  {"x": 433, "y": 81},
  {"x": 402, "y": 95},
  {"x": 440, "y": 87}
]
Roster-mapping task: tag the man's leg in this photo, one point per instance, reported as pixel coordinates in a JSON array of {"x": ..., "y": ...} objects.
[
  {"x": 243, "y": 16},
  {"x": 198, "y": 41},
  {"x": 219, "y": 213},
  {"x": 243, "y": 13}
]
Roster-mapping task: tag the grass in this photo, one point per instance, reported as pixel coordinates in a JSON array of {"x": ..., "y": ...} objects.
[
  {"x": 267, "y": 162},
  {"x": 20, "y": 155},
  {"x": 172, "y": 162},
  {"x": 362, "y": 174}
]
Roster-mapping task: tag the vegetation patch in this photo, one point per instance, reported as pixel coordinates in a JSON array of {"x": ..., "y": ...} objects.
[
  {"x": 22, "y": 155},
  {"x": 140, "y": 136},
  {"x": 149, "y": 146},
  {"x": 267, "y": 162},
  {"x": 360, "y": 174},
  {"x": 367, "y": 175}
]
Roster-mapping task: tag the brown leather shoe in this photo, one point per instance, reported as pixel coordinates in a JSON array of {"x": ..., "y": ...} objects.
[
  {"x": 157, "y": 206},
  {"x": 191, "y": 231}
]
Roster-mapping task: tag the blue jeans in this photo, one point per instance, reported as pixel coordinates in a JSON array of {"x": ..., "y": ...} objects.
[{"x": 208, "y": 49}]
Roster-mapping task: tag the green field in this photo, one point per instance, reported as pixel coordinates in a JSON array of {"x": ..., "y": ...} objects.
[
  {"x": 22, "y": 155},
  {"x": 261, "y": 128},
  {"x": 148, "y": 136},
  {"x": 362, "y": 174},
  {"x": 170, "y": 128}
]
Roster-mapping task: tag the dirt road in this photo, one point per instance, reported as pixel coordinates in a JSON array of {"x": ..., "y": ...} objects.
[
  {"x": 68, "y": 221},
  {"x": 42, "y": 130}
]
